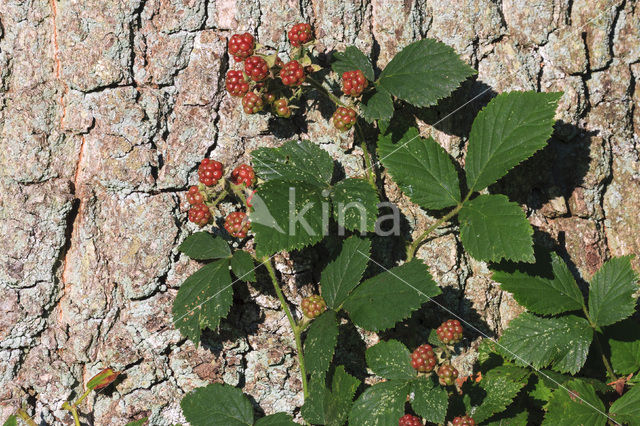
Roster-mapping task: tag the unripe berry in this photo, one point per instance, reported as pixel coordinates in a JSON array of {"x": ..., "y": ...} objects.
[
  {"x": 256, "y": 68},
  {"x": 464, "y": 421},
  {"x": 353, "y": 83},
  {"x": 292, "y": 74},
  {"x": 313, "y": 306},
  {"x": 237, "y": 224},
  {"x": 409, "y": 420},
  {"x": 269, "y": 97},
  {"x": 450, "y": 332},
  {"x": 282, "y": 108},
  {"x": 236, "y": 84},
  {"x": 300, "y": 34},
  {"x": 423, "y": 358},
  {"x": 252, "y": 103},
  {"x": 199, "y": 214},
  {"x": 209, "y": 172},
  {"x": 243, "y": 174},
  {"x": 241, "y": 46},
  {"x": 447, "y": 374},
  {"x": 194, "y": 196},
  {"x": 344, "y": 118}
]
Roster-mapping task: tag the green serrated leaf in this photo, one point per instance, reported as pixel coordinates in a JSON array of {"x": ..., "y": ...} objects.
[
  {"x": 543, "y": 295},
  {"x": 424, "y": 72},
  {"x": 242, "y": 266},
  {"x": 350, "y": 60},
  {"x": 510, "y": 129},
  {"x": 278, "y": 419},
  {"x": 321, "y": 343},
  {"x": 492, "y": 228},
  {"x": 429, "y": 400},
  {"x": 519, "y": 419},
  {"x": 355, "y": 204},
  {"x": 380, "y": 302},
  {"x": 624, "y": 342},
  {"x": 611, "y": 291},
  {"x": 627, "y": 408},
  {"x": 380, "y": 405},
  {"x": 139, "y": 422},
  {"x": 204, "y": 246},
  {"x": 12, "y": 420},
  {"x": 421, "y": 168},
  {"x": 390, "y": 360},
  {"x": 510, "y": 372},
  {"x": 343, "y": 274},
  {"x": 561, "y": 342},
  {"x": 575, "y": 403},
  {"x": 203, "y": 299},
  {"x": 378, "y": 106},
  {"x": 330, "y": 407},
  {"x": 301, "y": 161},
  {"x": 286, "y": 216},
  {"x": 495, "y": 394},
  {"x": 217, "y": 404}
]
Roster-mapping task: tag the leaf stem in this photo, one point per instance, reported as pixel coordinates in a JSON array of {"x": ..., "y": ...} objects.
[
  {"x": 297, "y": 331},
  {"x": 318, "y": 86},
  {"x": 596, "y": 340},
  {"x": 24, "y": 416},
  {"x": 413, "y": 247},
  {"x": 367, "y": 156},
  {"x": 74, "y": 412}
]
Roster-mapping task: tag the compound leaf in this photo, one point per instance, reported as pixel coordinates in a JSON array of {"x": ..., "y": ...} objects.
[
  {"x": 430, "y": 400},
  {"x": 301, "y": 161},
  {"x": 380, "y": 405},
  {"x": 380, "y": 302},
  {"x": 492, "y": 228},
  {"x": 355, "y": 204},
  {"x": 343, "y": 274},
  {"x": 561, "y": 342},
  {"x": 611, "y": 291},
  {"x": 424, "y": 72},
  {"x": 217, "y": 404},
  {"x": 330, "y": 407},
  {"x": 627, "y": 408},
  {"x": 421, "y": 168},
  {"x": 203, "y": 299},
  {"x": 320, "y": 343},
  {"x": 242, "y": 266},
  {"x": 540, "y": 294},
  {"x": 378, "y": 106},
  {"x": 278, "y": 419},
  {"x": 575, "y": 403},
  {"x": 204, "y": 246},
  {"x": 498, "y": 393},
  {"x": 510, "y": 129},
  {"x": 390, "y": 360},
  {"x": 624, "y": 342},
  {"x": 350, "y": 60}
]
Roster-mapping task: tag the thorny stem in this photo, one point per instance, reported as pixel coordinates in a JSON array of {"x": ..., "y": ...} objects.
[
  {"x": 413, "y": 247},
  {"x": 297, "y": 331},
  {"x": 593, "y": 325}
]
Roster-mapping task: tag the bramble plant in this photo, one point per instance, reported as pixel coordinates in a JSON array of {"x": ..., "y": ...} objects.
[{"x": 297, "y": 203}]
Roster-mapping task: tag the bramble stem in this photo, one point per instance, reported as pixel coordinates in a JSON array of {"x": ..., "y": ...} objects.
[
  {"x": 297, "y": 331},
  {"x": 317, "y": 85},
  {"x": 367, "y": 156},
  {"x": 74, "y": 412},
  {"x": 413, "y": 247},
  {"x": 593, "y": 325},
  {"x": 24, "y": 416}
]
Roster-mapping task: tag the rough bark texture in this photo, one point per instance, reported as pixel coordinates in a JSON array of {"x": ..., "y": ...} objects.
[{"x": 106, "y": 106}]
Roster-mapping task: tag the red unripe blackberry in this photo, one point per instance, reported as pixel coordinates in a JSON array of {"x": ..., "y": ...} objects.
[
  {"x": 256, "y": 68},
  {"x": 237, "y": 224},
  {"x": 450, "y": 331},
  {"x": 236, "y": 84},
  {"x": 282, "y": 108},
  {"x": 344, "y": 118},
  {"x": 313, "y": 306},
  {"x": 447, "y": 374},
  {"x": 300, "y": 34},
  {"x": 269, "y": 97},
  {"x": 464, "y": 421},
  {"x": 252, "y": 103},
  {"x": 409, "y": 420},
  {"x": 423, "y": 358},
  {"x": 194, "y": 196},
  {"x": 353, "y": 83},
  {"x": 199, "y": 214},
  {"x": 243, "y": 174},
  {"x": 209, "y": 172},
  {"x": 241, "y": 46},
  {"x": 292, "y": 74}
]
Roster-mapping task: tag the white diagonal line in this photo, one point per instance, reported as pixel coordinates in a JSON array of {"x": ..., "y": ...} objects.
[{"x": 486, "y": 336}]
